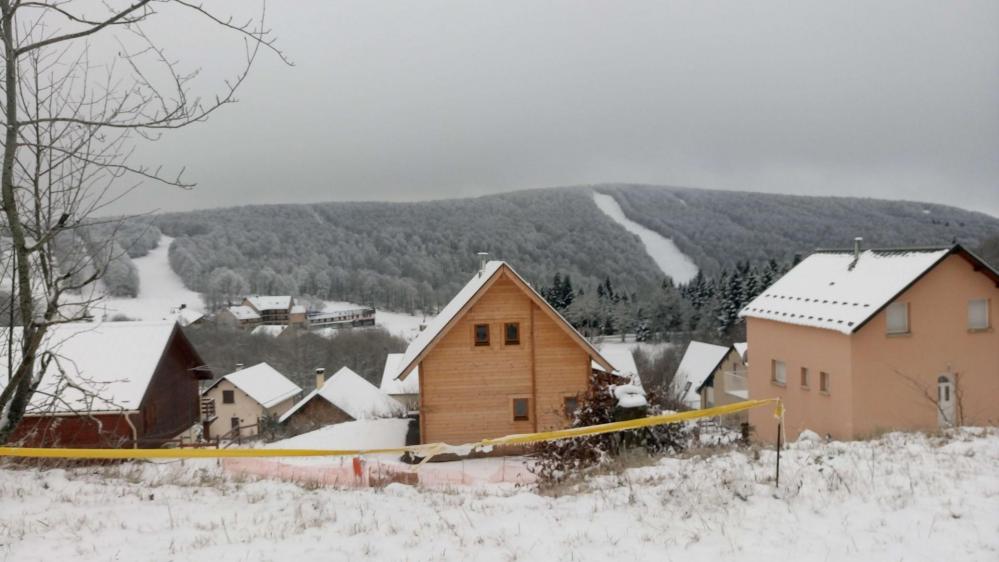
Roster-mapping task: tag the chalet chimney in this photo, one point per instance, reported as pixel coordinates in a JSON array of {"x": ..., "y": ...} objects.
[
  {"x": 239, "y": 366},
  {"x": 320, "y": 377},
  {"x": 482, "y": 262}
]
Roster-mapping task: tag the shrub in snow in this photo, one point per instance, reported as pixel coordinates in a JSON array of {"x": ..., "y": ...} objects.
[{"x": 558, "y": 461}]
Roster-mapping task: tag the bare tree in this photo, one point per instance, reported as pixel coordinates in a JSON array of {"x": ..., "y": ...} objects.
[{"x": 79, "y": 93}]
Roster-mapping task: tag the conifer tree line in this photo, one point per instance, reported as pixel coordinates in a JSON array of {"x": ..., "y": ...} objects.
[{"x": 706, "y": 308}]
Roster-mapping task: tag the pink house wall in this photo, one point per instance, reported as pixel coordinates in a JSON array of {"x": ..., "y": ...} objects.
[
  {"x": 879, "y": 381},
  {"x": 896, "y": 375},
  {"x": 799, "y": 346}
]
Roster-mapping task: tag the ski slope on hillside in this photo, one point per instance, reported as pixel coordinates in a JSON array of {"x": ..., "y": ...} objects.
[
  {"x": 663, "y": 251},
  {"x": 161, "y": 292}
]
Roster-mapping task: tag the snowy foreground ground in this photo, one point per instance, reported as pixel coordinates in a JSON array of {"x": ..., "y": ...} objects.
[{"x": 903, "y": 497}]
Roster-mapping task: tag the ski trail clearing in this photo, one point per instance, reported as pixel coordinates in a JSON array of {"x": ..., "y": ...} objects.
[
  {"x": 161, "y": 292},
  {"x": 663, "y": 251}
]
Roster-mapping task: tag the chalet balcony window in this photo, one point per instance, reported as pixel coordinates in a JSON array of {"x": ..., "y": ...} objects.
[
  {"x": 521, "y": 409},
  {"x": 778, "y": 372},
  {"x": 824, "y": 382},
  {"x": 482, "y": 334},
  {"x": 804, "y": 377},
  {"x": 978, "y": 314},
  {"x": 228, "y": 396},
  {"x": 511, "y": 332},
  {"x": 897, "y": 316}
]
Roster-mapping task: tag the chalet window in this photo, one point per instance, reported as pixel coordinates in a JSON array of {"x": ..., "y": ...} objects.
[
  {"x": 778, "y": 372},
  {"x": 709, "y": 396},
  {"x": 897, "y": 315},
  {"x": 511, "y": 333},
  {"x": 228, "y": 396},
  {"x": 482, "y": 334},
  {"x": 570, "y": 405},
  {"x": 521, "y": 409},
  {"x": 234, "y": 422},
  {"x": 804, "y": 377},
  {"x": 978, "y": 314},
  {"x": 824, "y": 382}
]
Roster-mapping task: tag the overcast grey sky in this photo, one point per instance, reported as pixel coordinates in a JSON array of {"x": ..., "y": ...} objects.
[{"x": 419, "y": 100}]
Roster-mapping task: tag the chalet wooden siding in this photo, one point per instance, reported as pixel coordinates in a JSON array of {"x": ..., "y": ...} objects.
[{"x": 467, "y": 391}]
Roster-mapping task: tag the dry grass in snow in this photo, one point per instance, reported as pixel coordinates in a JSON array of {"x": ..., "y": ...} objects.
[{"x": 901, "y": 497}]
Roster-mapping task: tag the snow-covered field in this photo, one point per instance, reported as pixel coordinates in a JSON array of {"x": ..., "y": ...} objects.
[
  {"x": 663, "y": 251},
  {"x": 161, "y": 291},
  {"x": 902, "y": 497}
]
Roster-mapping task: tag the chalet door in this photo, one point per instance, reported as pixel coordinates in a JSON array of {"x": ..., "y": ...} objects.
[{"x": 946, "y": 400}]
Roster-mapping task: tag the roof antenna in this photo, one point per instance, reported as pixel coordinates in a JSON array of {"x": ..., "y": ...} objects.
[
  {"x": 856, "y": 252},
  {"x": 482, "y": 262}
]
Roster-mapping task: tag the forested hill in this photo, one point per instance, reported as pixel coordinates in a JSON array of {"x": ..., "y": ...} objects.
[
  {"x": 719, "y": 228},
  {"x": 417, "y": 255}
]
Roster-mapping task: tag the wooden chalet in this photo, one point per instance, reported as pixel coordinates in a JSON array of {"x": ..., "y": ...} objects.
[
  {"x": 497, "y": 360},
  {"x": 116, "y": 384}
]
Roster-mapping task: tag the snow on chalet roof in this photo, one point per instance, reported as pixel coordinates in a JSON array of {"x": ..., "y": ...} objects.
[
  {"x": 270, "y": 302},
  {"x": 103, "y": 367},
  {"x": 264, "y": 384},
  {"x": 391, "y": 385},
  {"x": 357, "y": 397},
  {"x": 243, "y": 312},
  {"x": 827, "y": 290},
  {"x": 699, "y": 361},
  {"x": 437, "y": 325}
]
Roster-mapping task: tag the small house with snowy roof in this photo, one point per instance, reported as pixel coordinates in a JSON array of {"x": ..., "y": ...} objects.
[
  {"x": 345, "y": 397},
  {"x": 236, "y": 403},
  {"x": 859, "y": 342},
  {"x": 712, "y": 375},
  {"x": 112, "y": 384},
  {"x": 498, "y": 359}
]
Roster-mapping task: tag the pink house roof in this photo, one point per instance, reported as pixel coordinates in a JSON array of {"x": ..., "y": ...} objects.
[{"x": 835, "y": 290}]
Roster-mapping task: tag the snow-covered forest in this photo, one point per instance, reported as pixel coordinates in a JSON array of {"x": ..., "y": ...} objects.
[{"x": 409, "y": 256}]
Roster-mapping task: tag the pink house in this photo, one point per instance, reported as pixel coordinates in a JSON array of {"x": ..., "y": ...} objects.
[{"x": 857, "y": 343}]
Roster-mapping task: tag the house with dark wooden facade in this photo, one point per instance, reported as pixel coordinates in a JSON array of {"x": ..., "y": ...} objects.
[
  {"x": 497, "y": 360},
  {"x": 113, "y": 384}
]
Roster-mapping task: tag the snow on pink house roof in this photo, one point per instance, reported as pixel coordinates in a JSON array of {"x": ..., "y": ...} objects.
[
  {"x": 104, "y": 367},
  {"x": 828, "y": 290},
  {"x": 357, "y": 398}
]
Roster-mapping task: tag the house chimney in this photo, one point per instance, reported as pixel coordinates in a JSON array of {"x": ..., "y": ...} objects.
[
  {"x": 482, "y": 262},
  {"x": 856, "y": 252},
  {"x": 239, "y": 366},
  {"x": 320, "y": 377}
]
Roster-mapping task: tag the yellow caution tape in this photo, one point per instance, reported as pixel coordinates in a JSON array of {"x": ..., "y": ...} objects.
[{"x": 426, "y": 450}]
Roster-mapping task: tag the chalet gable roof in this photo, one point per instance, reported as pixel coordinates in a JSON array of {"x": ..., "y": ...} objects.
[
  {"x": 833, "y": 290},
  {"x": 269, "y": 302},
  {"x": 466, "y": 298}
]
